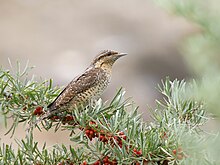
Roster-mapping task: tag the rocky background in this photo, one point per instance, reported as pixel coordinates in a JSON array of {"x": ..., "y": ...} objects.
[{"x": 61, "y": 37}]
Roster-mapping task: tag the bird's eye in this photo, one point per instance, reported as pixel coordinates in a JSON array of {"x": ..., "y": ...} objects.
[{"x": 102, "y": 63}]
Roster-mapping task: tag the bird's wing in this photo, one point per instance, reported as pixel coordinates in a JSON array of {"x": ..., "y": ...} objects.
[{"x": 76, "y": 86}]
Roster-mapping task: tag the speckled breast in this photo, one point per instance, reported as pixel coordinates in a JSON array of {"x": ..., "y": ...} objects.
[{"x": 93, "y": 93}]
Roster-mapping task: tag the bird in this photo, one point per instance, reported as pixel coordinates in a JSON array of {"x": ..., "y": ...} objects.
[{"x": 86, "y": 87}]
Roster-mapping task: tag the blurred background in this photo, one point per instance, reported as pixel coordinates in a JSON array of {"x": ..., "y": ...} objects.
[{"x": 61, "y": 38}]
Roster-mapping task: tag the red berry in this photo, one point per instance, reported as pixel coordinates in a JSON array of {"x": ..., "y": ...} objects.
[
  {"x": 124, "y": 137},
  {"x": 114, "y": 162},
  {"x": 96, "y": 135},
  {"x": 92, "y": 122},
  {"x": 87, "y": 132},
  {"x": 164, "y": 136},
  {"x": 138, "y": 153},
  {"x": 90, "y": 137},
  {"x": 105, "y": 139},
  {"x": 24, "y": 108},
  {"x": 84, "y": 163},
  {"x": 97, "y": 163},
  {"x": 69, "y": 118},
  {"x": 102, "y": 131},
  {"x": 91, "y": 132},
  {"x": 116, "y": 138},
  {"x": 105, "y": 160},
  {"x": 101, "y": 137},
  {"x": 38, "y": 111},
  {"x": 121, "y": 133},
  {"x": 174, "y": 152},
  {"x": 54, "y": 118}
]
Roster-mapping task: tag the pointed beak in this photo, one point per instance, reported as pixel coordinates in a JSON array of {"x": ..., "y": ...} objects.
[{"x": 121, "y": 55}]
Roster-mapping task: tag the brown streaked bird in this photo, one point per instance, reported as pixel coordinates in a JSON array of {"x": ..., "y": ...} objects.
[{"x": 86, "y": 87}]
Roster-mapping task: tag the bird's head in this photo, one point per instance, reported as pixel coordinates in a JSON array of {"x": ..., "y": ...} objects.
[{"x": 106, "y": 58}]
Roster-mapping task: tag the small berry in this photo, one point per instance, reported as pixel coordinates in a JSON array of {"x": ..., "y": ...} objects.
[
  {"x": 105, "y": 139},
  {"x": 24, "y": 108},
  {"x": 174, "y": 152},
  {"x": 114, "y": 162},
  {"x": 69, "y": 118},
  {"x": 84, "y": 163},
  {"x": 180, "y": 156},
  {"x": 38, "y": 111},
  {"x": 121, "y": 133},
  {"x": 101, "y": 137},
  {"x": 91, "y": 132},
  {"x": 92, "y": 123},
  {"x": 139, "y": 153},
  {"x": 116, "y": 138},
  {"x": 124, "y": 137},
  {"x": 105, "y": 160},
  {"x": 97, "y": 163},
  {"x": 54, "y": 118},
  {"x": 179, "y": 149},
  {"x": 102, "y": 131},
  {"x": 87, "y": 132},
  {"x": 61, "y": 163},
  {"x": 164, "y": 136}
]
